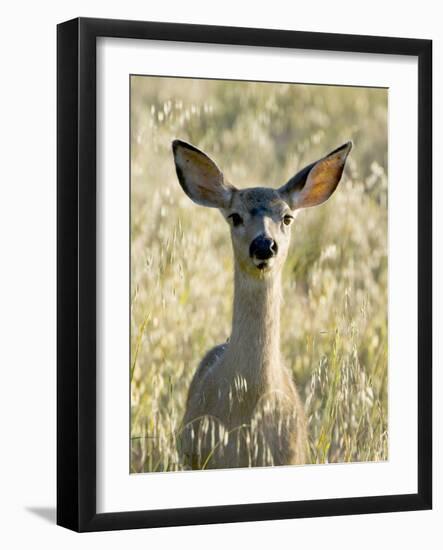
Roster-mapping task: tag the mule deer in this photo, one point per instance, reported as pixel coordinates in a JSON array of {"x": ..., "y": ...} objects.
[{"x": 243, "y": 408}]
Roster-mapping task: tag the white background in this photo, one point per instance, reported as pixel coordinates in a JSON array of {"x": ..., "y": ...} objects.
[
  {"x": 27, "y": 290},
  {"x": 117, "y": 490}
]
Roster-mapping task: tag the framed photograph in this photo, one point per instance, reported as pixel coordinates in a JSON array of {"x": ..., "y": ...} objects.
[{"x": 244, "y": 274}]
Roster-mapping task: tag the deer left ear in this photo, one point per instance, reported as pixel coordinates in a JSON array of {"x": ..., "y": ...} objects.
[
  {"x": 201, "y": 179},
  {"x": 315, "y": 183}
]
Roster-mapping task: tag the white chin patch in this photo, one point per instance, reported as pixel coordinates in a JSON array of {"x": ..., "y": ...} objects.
[{"x": 263, "y": 265}]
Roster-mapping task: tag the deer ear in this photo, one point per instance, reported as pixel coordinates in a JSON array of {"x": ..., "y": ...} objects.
[
  {"x": 316, "y": 182},
  {"x": 199, "y": 176}
]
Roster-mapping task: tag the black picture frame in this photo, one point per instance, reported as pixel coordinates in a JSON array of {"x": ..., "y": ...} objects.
[{"x": 76, "y": 273}]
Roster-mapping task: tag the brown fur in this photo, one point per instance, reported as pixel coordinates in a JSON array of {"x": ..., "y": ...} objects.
[{"x": 243, "y": 408}]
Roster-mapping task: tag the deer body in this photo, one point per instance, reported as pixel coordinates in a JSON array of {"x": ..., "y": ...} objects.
[
  {"x": 243, "y": 408},
  {"x": 235, "y": 382}
]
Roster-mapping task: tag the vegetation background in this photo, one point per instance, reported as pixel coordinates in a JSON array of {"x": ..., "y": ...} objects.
[{"x": 334, "y": 314}]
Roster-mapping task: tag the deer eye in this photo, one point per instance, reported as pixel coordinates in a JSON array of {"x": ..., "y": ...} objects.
[
  {"x": 287, "y": 220},
  {"x": 236, "y": 219}
]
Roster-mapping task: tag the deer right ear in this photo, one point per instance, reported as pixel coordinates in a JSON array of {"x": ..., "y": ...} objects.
[
  {"x": 199, "y": 176},
  {"x": 315, "y": 183}
]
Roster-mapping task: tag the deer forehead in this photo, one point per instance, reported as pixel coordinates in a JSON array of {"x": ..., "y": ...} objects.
[{"x": 259, "y": 201}]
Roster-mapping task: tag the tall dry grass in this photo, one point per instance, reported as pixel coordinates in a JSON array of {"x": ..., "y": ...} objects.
[{"x": 334, "y": 315}]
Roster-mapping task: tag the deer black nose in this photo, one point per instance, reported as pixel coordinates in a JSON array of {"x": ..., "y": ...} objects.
[{"x": 263, "y": 248}]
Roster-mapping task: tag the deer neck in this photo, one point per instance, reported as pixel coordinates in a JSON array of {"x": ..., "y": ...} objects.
[{"x": 254, "y": 346}]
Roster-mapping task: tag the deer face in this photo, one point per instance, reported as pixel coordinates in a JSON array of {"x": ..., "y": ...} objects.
[
  {"x": 260, "y": 223},
  {"x": 260, "y": 218}
]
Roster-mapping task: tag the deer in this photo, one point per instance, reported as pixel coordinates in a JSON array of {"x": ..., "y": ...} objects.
[{"x": 243, "y": 408}]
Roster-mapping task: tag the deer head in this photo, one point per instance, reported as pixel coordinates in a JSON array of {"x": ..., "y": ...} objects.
[{"x": 260, "y": 218}]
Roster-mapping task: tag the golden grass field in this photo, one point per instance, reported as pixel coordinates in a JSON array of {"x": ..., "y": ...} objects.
[{"x": 334, "y": 313}]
